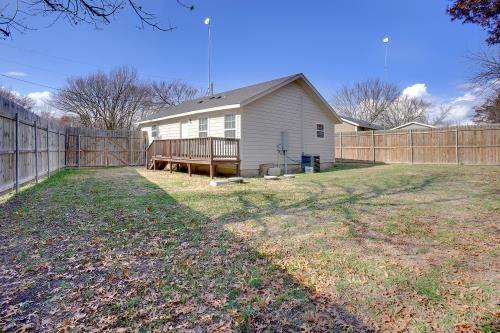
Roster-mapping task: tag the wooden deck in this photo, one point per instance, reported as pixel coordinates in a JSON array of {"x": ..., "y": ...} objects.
[{"x": 209, "y": 151}]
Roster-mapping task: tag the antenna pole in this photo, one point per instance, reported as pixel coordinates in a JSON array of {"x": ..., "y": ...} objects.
[
  {"x": 386, "y": 42},
  {"x": 210, "y": 89}
]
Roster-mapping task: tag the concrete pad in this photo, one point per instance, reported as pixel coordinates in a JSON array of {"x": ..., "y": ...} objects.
[
  {"x": 289, "y": 176},
  {"x": 235, "y": 180},
  {"x": 216, "y": 183},
  {"x": 271, "y": 177},
  {"x": 274, "y": 171}
]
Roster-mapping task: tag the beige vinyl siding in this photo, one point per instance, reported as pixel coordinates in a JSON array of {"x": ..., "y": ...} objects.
[
  {"x": 264, "y": 119},
  {"x": 345, "y": 127},
  {"x": 171, "y": 128}
]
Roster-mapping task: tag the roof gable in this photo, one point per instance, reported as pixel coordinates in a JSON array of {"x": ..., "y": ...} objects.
[
  {"x": 361, "y": 123},
  {"x": 234, "y": 99},
  {"x": 414, "y": 123}
]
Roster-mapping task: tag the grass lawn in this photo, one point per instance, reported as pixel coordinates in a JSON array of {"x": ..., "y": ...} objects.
[{"x": 358, "y": 248}]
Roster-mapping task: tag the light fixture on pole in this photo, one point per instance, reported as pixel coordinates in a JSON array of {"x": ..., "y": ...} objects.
[
  {"x": 210, "y": 85},
  {"x": 386, "y": 42}
]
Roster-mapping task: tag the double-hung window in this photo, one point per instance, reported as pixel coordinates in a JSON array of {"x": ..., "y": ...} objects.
[
  {"x": 229, "y": 126},
  {"x": 203, "y": 127},
  {"x": 320, "y": 131},
  {"x": 155, "y": 133}
]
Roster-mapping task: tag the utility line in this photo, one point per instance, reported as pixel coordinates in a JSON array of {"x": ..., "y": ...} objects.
[
  {"x": 72, "y": 61},
  {"x": 31, "y": 82}
]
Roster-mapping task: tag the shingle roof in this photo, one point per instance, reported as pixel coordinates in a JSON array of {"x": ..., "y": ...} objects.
[
  {"x": 236, "y": 96},
  {"x": 362, "y": 123}
]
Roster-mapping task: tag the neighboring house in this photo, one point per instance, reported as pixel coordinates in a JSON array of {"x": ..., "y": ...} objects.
[
  {"x": 256, "y": 115},
  {"x": 355, "y": 125},
  {"x": 413, "y": 125}
]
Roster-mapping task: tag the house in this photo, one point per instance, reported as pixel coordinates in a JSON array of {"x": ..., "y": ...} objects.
[
  {"x": 261, "y": 116},
  {"x": 355, "y": 125},
  {"x": 413, "y": 125}
]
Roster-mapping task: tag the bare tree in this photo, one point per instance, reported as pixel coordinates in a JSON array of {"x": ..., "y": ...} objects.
[
  {"x": 403, "y": 110},
  {"x": 108, "y": 101},
  {"x": 489, "y": 112},
  {"x": 365, "y": 100},
  {"x": 23, "y": 101},
  {"x": 440, "y": 117},
  {"x": 488, "y": 76},
  {"x": 165, "y": 94},
  {"x": 14, "y": 16}
]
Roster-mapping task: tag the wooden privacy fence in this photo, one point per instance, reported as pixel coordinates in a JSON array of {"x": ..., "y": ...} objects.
[
  {"x": 470, "y": 145},
  {"x": 32, "y": 147},
  {"x": 102, "y": 148}
]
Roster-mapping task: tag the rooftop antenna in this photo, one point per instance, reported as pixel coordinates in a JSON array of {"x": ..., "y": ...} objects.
[
  {"x": 210, "y": 90},
  {"x": 386, "y": 42}
]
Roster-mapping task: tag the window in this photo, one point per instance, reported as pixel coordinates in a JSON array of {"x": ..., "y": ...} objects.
[
  {"x": 203, "y": 127},
  {"x": 229, "y": 126},
  {"x": 154, "y": 131},
  {"x": 320, "y": 131}
]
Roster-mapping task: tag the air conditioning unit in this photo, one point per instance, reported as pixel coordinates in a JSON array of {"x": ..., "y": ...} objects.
[{"x": 311, "y": 161}]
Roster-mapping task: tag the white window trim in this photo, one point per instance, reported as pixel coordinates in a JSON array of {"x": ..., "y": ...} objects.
[
  {"x": 208, "y": 126},
  {"x": 316, "y": 131},
  {"x": 230, "y": 129}
]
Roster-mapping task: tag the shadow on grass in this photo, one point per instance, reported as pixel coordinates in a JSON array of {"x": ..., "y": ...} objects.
[
  {"x": 347, "y": 201},
  {"x": 109, "y": 249}
]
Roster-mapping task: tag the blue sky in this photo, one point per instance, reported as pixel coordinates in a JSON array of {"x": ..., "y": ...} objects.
[{"x": 332, "y": 42}]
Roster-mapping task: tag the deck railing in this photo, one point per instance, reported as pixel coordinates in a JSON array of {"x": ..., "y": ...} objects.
[{"x": 201, "y": 149}]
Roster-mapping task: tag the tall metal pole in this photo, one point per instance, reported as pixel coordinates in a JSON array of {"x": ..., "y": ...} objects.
[
  {"x": 210, "y": 86},
  {"x": 386, "y": 42}
]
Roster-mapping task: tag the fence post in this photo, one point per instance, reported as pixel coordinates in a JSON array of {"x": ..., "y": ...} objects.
[
  {"x": 17, "y": 152},
  {"x": 456, "y": 146},
  {"x": 48, "y": 152},
  {"x": 106, "y": 151},
  {"x": 36, "y": 151},
  {"x": 58, "y": 150},
  {"x": 129, "y": 149},
  {"x": 373, "y": 145},
  {"x": 411, "y": 146},
  {"x": 78, "y": 149},
  {"x": 341, "y": 146},
  {"x": 65, "y": 147}
]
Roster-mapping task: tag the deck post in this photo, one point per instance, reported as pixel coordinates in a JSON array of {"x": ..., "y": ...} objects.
[
  {"x": 211, "y": 170},
  {"x": 456, "y": 146},
  {"x": 189, "y": 169},
  {"x": 211, "y": 150},
  {"x": 238, "y": 171}
]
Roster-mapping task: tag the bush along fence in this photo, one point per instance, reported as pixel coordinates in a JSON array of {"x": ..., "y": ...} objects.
[
  {"x": 469, "y": 145},
  {"x": 32, "y": 147}
]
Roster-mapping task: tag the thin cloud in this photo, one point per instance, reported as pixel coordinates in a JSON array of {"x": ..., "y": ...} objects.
[{"x": 14, "y": 73}]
